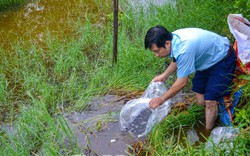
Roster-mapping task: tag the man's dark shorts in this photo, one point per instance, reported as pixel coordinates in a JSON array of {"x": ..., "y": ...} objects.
[{"x": 215, "y": 82}]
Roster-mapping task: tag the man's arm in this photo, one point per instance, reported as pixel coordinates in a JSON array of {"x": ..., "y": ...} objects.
[
  {"x": 178, "y": 85},
  {"x": 162, "y": 77}
]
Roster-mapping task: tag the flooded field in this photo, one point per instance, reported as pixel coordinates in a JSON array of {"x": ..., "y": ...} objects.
[{"x": 39, "y": 18}]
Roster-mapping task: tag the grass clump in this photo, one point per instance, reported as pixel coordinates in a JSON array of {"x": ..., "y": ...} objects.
[
  {"x": 166, "y": 137},
  {"x": 5, "y": 4},
  {"x": 29, "y": 134}
]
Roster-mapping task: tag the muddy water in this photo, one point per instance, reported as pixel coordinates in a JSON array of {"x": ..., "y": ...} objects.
[
  {"x": 98, "y": 130},
  {"x": 36, "y": 19}
]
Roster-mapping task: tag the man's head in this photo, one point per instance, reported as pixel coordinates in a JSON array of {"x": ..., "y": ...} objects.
[{"x": 158, "y": 39}]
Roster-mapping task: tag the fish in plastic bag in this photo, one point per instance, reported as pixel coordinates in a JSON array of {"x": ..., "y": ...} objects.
[{"x": 138, "y": 118}]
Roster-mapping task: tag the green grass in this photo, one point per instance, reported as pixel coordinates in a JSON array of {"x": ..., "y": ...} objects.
[
  {"x": 4, "y": 4},
  {"x": 36, "y": 81},
  {"x": 36, "y": 131},
  {"x": 167, "y": 137}
]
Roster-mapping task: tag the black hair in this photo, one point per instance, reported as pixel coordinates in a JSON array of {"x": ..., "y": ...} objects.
[{"x": 157, "y": 35}]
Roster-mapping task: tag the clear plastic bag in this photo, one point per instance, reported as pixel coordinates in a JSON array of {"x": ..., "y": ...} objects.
[
  {"x": 138, "y": 118},
  {"x": 222, "y": 137},
  {"x": 155, "y": 89},
  {"x": 192, "y": 137}
]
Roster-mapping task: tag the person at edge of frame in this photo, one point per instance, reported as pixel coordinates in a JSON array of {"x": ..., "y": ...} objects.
[{"x": 199, "y": 51}]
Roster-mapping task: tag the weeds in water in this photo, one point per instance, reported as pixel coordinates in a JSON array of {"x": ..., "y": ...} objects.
[
  {"x": 4, "y": 4},
  {"x": 30, "y": 133}
]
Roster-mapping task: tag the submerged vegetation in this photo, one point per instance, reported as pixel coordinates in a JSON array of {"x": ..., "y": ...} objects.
[
  {"x": 4, "y": 4},
  {"x": 37, "y": 81}
]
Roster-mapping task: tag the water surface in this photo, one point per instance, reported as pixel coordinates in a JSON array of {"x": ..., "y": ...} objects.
[{"x": 35, "y": 20}]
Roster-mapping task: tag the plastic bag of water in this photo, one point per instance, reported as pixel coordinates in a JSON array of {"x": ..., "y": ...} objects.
[
  {"x": 223, "y": 138},
  {"x": 138, "y": 118}
]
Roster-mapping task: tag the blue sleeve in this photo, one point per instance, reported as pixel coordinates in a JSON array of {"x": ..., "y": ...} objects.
[{"x": 185, "y": 64}]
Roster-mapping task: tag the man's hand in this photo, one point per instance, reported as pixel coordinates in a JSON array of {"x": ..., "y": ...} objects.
[
  {"x": 160, "y": 77},
  {"x": 163, "y": 77},
  {"x": 173, "y": 90},
  {"x": 155, "y": 102}
]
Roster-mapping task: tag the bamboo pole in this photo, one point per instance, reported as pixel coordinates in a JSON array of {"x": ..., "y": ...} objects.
[{"x": 115, "y": 33}]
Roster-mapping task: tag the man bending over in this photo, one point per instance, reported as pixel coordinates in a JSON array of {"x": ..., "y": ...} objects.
[{"x": 194, "y": 50}]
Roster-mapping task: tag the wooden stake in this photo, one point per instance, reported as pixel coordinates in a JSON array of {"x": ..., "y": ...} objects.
[{"x": 115, "y": 24}]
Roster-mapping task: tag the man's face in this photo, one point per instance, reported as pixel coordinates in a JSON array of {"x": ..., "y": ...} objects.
[{"x": 161, "y": 51}]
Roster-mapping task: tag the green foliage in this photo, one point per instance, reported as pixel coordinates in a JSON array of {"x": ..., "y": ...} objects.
[
  {"x": 3, "y": 86},
  {"x": 242, "y": 7},
  {"x": 210, "y": 15},
  {"x": 169, "y": 132},
  {"x": 4, "y": 4},
  {"x": 243, "y": 116},
  {"x": 29, "y": 134},
  {"x": 243, "y": 111}
]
